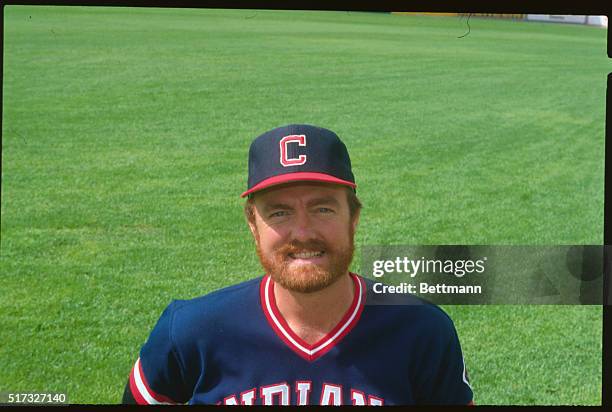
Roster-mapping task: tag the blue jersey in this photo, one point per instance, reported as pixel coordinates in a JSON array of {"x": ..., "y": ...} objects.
[{"x": 233, "y": 347}]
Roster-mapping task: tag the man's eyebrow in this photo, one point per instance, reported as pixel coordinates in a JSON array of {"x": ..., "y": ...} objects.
[
  {"x": 325, "y": 200},
  {"x": 273, "y": 206}
]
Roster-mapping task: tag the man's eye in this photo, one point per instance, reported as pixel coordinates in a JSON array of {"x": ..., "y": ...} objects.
[
  {"x": 325, "y": 210},
  {"x": 280, "y": 213}
]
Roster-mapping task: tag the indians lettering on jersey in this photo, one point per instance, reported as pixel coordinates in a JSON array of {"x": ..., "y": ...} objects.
[
  {"x": 275, "y": 394},
  {"x": 281, "y": 394}
]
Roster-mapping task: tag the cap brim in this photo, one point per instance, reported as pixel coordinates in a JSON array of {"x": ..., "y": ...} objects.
[{"x": 297, "y": 177}]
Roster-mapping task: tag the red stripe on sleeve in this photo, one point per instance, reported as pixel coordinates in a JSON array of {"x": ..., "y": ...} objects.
[
  {"x": 154, "y": 395},
  {"x": 135, "y": 392}
]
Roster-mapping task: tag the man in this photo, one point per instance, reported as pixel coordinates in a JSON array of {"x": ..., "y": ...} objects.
[{"x": 302, "y": 334}]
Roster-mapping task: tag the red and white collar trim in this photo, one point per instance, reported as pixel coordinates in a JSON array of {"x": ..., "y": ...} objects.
[{"x": 318, "y": 349}]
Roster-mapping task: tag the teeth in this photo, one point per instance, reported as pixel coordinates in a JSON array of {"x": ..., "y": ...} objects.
[{"x": 306, "y": 255}]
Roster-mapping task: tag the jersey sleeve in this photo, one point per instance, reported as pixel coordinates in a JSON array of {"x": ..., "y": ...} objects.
[
  {"x": 158, "y": 375},
  {"x": 443, "y": 379}
]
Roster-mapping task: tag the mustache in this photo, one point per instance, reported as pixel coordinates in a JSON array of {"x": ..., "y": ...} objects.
[{"x": 296, "y": 246}]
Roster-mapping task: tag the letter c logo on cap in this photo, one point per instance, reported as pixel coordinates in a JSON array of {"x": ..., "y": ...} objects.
[{"x": 300, "y": 139}]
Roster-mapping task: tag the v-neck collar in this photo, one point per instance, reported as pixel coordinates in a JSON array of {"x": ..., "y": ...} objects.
[{"x": 307, "y": 351}]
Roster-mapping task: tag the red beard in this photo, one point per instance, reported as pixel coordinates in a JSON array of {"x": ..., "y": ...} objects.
[{"x": 307, "y": 278}]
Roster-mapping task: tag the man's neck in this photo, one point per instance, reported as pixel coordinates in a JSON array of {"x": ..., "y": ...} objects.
[{"x": 313, "y": 315}]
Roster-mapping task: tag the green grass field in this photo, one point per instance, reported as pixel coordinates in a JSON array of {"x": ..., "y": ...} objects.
[{"x": 125, "y": 140}]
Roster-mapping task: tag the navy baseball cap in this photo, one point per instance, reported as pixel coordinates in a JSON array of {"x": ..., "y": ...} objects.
[{"x": 298, "y": 152}]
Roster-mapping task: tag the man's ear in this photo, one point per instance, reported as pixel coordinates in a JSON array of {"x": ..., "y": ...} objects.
[
  {"x": 355, "y": 221},
  {"x": 253, "y": 225},
  {"x": 253, "y": 228},
  {"x": 249, "y": 214}
]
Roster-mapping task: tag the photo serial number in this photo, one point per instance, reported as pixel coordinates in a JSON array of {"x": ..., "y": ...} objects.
[{"x": 32, "y": 398}]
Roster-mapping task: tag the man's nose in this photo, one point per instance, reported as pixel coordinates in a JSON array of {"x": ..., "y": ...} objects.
[{"x": 303, "y": 229}]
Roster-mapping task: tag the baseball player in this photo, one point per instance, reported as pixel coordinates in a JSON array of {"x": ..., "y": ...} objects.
[{"x": 304, "y": 332}]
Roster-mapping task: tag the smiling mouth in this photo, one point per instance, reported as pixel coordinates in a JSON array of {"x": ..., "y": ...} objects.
[{"x": 306, "y": 255}]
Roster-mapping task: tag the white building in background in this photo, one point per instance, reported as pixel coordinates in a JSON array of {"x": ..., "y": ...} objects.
[{"x": 576, "y": 19}]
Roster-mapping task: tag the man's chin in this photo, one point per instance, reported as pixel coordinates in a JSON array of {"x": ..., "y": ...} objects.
[
  {"x": 305, "y": 268},
  {"x": 303, "y": 282},
  {"x": 305, "y": 288}
]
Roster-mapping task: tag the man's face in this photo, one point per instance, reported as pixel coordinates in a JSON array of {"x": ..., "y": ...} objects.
[{"x": 304, "y": 234}]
